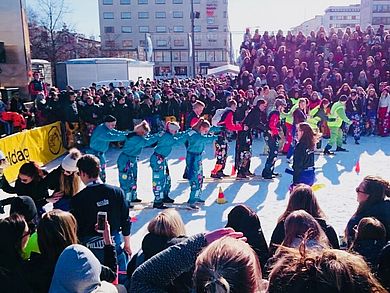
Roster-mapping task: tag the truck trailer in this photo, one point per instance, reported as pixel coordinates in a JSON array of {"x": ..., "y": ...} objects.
[{"x": 80, "y": 73}]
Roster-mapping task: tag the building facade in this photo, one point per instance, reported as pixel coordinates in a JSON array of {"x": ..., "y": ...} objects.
[
  {"x": 342, "y": 16},
  {"x": 306, "y": 27},
  {"x": 375, "y": 13},
  {"x": 129, "y": 28}
]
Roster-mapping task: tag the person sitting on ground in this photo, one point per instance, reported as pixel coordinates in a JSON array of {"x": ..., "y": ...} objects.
[
  {"x": 158, "y": 272},
  {"x": 14, "y": 233},
  {"x": 243, "y": 219},
  {"x": 78, "y": 270},
  {"x": 369, "y": 240},
  {"x": 322, "y": 271},
  {"x": 299, "y": 225},
  {"x": 56, "y": 231},
  {"x": 303, "y": 198},
  {"x": 65, "y": 181},
  {"x": 372, "y": 194}
]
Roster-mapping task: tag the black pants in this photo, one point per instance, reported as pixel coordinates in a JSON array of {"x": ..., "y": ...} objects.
[
  {"x": 243, "y": 152},
  {"x": 273, "y": 144}
]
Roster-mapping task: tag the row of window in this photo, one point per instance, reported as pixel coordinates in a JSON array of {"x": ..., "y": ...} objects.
[
  {"x": 143, "y": 15},
  {"x": 381, "y": 8},
  {"x": 159, "y": 43},
  {"x": 343, "y": 17},
  {"x": 145, "y": 29},
  {"x": 381, "y": 20},
  {"x": 144, "y": 2}
]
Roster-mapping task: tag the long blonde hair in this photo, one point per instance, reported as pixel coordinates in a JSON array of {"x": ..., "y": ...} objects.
[{"x": 167, "y": 223}]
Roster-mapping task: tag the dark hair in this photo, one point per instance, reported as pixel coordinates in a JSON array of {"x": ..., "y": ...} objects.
[
  {"x": 11, "y": 231},
  {"x": 32, "y": 170},
  {"x": 309, "y": 137},
  {"x": 260, "y": 102},
  {"x": 377, "y": 189},
  {"x": 370, "y": 228},
  {"x": 56, "y": 231},
  {"x": 302, "y": 198},
  {"x": 90, "y": 165}
]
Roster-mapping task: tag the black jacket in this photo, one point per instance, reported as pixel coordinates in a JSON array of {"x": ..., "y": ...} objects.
[
  {"x": 71, "y": 112},
  {"x": 171, "y": 107},
  {"x": 12, "y": 276},
  {"x": 370, "y": 250},
  {"x": 122, "y": 113},
  {"x": 303, "y": 159},
  {"x": 256, "y": 119}
]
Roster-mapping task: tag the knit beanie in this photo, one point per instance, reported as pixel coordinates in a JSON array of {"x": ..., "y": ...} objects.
[{"x": 69, "y": 163}]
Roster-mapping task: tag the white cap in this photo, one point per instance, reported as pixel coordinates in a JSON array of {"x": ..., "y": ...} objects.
[
  {"x": 2, "y": 156},
  {"x": 69, "y": 163}
]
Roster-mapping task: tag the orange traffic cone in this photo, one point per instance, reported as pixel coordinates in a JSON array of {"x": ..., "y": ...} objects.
[
  {"x": 233, "y": 173},
  {"x": 221, "y": 197},
  {"x": 357, "y": 167}
]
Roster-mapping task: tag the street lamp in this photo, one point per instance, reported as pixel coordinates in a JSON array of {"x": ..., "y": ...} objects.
[{"x": 193, "y": 38}]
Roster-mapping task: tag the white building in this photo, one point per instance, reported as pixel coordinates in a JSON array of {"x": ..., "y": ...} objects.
[
  {"x": 341, "y": 16},
  {"x": 309, "y": 25},
  {"x": 335, "y": 16},
  {"x": 375, "y": 13},
  {"x": 125, "y": 26}
]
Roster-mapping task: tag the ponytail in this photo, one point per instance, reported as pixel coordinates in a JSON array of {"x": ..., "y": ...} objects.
[{"x": 217, "y": 284}]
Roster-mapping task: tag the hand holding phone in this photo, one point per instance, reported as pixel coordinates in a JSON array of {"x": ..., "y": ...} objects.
[{"x": 101, "y": 221}]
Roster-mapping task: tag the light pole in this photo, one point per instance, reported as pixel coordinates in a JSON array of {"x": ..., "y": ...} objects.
[{"x": 193, "y": 38}]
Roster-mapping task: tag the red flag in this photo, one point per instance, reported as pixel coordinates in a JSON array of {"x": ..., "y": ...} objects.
[{"x": 357, "y": 167}]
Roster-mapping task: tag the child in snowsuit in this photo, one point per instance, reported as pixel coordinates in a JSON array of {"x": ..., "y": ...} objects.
[
  {"x": 158, "y": 162},
  {"x": 221, "y": 145},
  {"x": 100, "y": 141},
  {"x": 197, "y": 139},
  {"x": 272, "y": 138},
  {"x": 336, "y": 118},
  {"x": 127, "y": 160}
]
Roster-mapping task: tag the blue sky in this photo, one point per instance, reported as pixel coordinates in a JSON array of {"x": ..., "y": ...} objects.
[{"x": 265, "y": 14}]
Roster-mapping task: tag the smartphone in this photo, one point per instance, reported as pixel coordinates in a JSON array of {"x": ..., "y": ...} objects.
[{"x": 101, "y": 221}]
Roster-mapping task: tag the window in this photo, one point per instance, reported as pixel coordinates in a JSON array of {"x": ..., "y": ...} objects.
[
  {"x": 108, "y": 15},
  {"x": 225, "y": 14},
  {"x": 162, "y": 43},
  {"x": 196, "y": 1},
  {"x": 143, "y": 29},
  {"x": 160, "y": 1},
  {"x": 210, "y": 20},
  {"x": 197, "y": 28},
  {"x": 161, "y": 14},
  {"x": 178, "y": 29},
  {"x": 107, "y": 2},
  {"x": 143, "y": 15},
  {"x": 125, "y": 2},
  {"x": 127, "y": 29},
  {"x": 177, "y": 1},
  {"x": 177, "y": 14},
  {"x": 180, "y": 70},
  {"x": 141, "y": 2},
  {"x": 178, "y": 43},
  {"x": 161, "y": 29},
  {"x": 109, "y": 29},
  {"x": 110, "y": 44},
  {"x": 142, "y": 43},
  {"x": 127, "y": 43},
  {"x": 125, "y": 15}
]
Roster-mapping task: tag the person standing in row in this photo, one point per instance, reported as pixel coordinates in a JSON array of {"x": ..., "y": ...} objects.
[
  {"x": 221, "y": 145},
  {"x": 197, "y": 139},
  {"x": 158, "y": 162},
  {"x": 336, "y": 118},
  {"x": 384, "y": 113},
  {"x": 272, "y": 138},
  {"x": 354, "y": 111},
  {"x": 127, "y": 160},
  {"x": 100, "y": 141}
]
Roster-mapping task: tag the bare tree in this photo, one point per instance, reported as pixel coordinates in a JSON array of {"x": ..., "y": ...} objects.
[{"x": 50, "y": 16}]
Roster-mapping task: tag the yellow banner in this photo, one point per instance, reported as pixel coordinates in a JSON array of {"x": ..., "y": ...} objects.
[{"x": 41, "y": 144}]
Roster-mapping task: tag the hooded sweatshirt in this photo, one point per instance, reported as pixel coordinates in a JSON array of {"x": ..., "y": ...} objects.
[{"x": 78, "y": 271}]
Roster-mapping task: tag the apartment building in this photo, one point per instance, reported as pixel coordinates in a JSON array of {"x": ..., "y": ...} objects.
[
  {"x": 129, "y": 28},
  {"x": 375, "y": 13}
]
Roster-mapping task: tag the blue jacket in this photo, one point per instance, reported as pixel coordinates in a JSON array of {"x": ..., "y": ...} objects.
[
  {"x": 102, "y": 136},
  {"x": 167, "y": 141},
  {"x": 197, "y": 141},
  {"x": 134, "y": 144}
]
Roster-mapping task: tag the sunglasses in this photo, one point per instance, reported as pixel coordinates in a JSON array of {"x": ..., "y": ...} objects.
[{"x": 359, "y": 190}]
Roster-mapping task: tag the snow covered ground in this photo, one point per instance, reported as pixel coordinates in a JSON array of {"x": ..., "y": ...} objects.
[{"x": 337, "y": 197}]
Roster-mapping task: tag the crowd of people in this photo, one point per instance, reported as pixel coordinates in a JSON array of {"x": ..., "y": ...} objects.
[{"x": 293, "y": 91}]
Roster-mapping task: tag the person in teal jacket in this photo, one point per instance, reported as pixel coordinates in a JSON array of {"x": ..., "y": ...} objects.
[
  {"x": 100, "y": 141},
  {"x": 197, "y": 139},
  {"x": 158, "y": 162},
  {"x": 336, "y": 118},
  {"x": 127, "y": 160}
]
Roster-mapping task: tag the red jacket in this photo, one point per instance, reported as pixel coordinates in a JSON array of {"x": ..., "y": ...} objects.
[{"x": 229, "y": 123}]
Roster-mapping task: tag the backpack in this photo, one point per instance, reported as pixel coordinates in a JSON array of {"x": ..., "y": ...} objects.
[{"x": 219, "y": 116}]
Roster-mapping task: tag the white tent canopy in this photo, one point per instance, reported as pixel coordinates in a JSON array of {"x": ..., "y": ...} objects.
[{"x": 229, "y": 68}]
